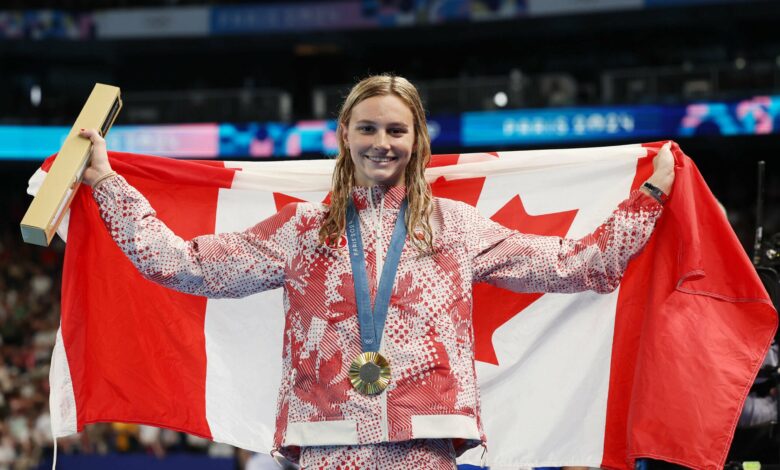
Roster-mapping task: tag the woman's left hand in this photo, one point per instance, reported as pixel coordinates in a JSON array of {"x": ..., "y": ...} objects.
[{"x": 663, "y": 166}]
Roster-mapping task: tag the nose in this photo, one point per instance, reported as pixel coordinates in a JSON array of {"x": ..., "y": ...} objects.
[{"x": 381, "y": 141}]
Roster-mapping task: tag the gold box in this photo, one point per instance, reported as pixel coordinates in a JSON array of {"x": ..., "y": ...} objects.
[{"x": 46, "y": 210}]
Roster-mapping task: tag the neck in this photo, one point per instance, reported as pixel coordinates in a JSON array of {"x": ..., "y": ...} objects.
[{"x": 376, "y": 184}]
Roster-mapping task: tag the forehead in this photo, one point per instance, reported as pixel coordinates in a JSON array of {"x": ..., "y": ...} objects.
[{"x": 386, "y": 108}]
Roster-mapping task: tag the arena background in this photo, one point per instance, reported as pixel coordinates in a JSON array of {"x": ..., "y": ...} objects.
[{"x": 263, "y": 81}]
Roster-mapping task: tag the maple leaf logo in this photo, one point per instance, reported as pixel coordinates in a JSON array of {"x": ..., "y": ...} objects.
[
  {"x": 405, "y": 294},
  {"x": 306, "y": 224},
  {"x": 347, "y": 306},
  {"x": 297, "y": 273},
  {"x": 319, "y": 385}
]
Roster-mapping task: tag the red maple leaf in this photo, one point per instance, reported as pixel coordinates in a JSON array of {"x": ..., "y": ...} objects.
[
  {"x": 347, "y": 305},
  {"x": 465, "y": 190},
  {"x": 494, "y": 306},
  {"x": 405, "y": 293},
  {"x": 317, "y": 385},
  {"x": 306, "y": 224},
  {"x": 281, "y": 200},
  {"x": 297, "y": 271}
]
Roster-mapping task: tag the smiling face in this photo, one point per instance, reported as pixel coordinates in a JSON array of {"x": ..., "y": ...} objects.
[{"x": 380, "y": 137}]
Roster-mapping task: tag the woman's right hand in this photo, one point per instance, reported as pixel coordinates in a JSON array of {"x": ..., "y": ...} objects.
[{"x": 98, "y": 162}]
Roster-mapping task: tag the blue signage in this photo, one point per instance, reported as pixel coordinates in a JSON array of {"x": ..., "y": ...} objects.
[
  {"x": 528, "y": 127},
  {"x": 444, "y": 130},
  {"x": 30, "y": 142}
]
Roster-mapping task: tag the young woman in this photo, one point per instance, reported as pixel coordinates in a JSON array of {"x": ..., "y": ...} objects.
[{"x": 378, "y": 367}]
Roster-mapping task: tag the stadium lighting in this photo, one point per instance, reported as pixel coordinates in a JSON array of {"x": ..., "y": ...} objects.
[
  {"x": 501, "y": 99},
  {"x": 35, "y": 95}
]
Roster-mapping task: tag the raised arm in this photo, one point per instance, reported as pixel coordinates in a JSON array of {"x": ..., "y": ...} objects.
[
  {"x": 532, "y": 263},
  {"x": 223, "y": 265}
]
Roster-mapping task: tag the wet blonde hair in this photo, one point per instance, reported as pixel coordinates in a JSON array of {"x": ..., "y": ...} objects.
[{"x": 418, "y": 191}]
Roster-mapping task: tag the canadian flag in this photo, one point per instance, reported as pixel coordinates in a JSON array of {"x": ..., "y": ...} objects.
[{"x": 659, "y": 368}]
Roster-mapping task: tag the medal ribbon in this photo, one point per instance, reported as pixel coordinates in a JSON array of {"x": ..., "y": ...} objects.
[{"x": 372, "y": 321}]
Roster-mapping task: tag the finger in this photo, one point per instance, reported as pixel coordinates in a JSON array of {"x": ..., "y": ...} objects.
[
  {"x": 665, "y": 152},
  {"x": 93, "y": 135}
]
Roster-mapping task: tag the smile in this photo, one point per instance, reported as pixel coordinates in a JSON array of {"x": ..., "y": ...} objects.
[{"x": 379, "y": 159}]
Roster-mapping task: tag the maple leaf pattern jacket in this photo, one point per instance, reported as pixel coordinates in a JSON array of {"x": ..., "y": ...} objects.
[{"x": 428, "y": 337}]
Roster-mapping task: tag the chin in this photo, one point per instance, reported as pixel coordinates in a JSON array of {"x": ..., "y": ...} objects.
[{"x": 386, "y": 180}]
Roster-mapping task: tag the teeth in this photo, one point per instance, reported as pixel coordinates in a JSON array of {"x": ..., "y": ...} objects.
[{"x": 380, "y": 159}]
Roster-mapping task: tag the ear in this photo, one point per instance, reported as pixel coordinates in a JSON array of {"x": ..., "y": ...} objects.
[{"x": 343, "y": 130}]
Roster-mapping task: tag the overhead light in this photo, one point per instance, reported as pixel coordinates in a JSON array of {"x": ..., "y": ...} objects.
[
  {"x": 740, "y": 63},
  {"x": 501, "y": 99},
  {"x": 35, "y": 95}
]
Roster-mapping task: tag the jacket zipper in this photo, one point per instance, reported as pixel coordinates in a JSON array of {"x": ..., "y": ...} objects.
[{"x": 380, "y": 255}]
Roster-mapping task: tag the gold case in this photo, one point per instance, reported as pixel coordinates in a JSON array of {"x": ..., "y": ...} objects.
[{"x": 56, "y": 192}]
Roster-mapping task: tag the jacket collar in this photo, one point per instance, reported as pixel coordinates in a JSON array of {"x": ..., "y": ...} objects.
[{"x": 390, "y": 196}]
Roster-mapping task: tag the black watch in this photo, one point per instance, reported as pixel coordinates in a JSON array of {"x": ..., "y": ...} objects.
[{"x": 657, "y": 194}]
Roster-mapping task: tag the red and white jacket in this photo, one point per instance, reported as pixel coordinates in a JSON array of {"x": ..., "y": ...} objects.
[{"x": 428, "y": 337}]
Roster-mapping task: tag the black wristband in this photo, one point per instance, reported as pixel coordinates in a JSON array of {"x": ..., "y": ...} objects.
[{"x": 657, "y": 194}]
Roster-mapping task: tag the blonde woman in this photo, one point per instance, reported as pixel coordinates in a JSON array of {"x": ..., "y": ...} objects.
[{"x": 378, "y": 367}]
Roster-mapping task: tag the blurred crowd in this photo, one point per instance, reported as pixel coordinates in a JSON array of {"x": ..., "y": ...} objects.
[{"x": 29, "y": 317}]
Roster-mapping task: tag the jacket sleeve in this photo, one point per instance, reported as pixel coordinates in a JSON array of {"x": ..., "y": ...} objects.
[
  {"x": 222, "y": 265},
  {"x": 533, "y": 263}
]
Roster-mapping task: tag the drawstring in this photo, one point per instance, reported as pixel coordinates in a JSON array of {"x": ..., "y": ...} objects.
[{"x": 54, "y": 459}]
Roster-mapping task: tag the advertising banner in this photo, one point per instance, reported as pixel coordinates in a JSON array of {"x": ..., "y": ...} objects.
[
  {"x": 138, "y": 23},
  {"x": 538, "y": 126}
]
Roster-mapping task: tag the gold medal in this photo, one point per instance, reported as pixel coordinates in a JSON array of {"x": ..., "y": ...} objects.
[{"x": 369, "y": 373}]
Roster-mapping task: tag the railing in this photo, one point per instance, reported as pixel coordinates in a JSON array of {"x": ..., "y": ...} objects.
[
  {"x": 451, "y": 96},
  {"x": 236, "y": 105},
  {"x": 660, "y": 85}
]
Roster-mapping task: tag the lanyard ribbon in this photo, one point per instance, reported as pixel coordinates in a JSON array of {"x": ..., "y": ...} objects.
[{"x": 372, "y": 323}]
